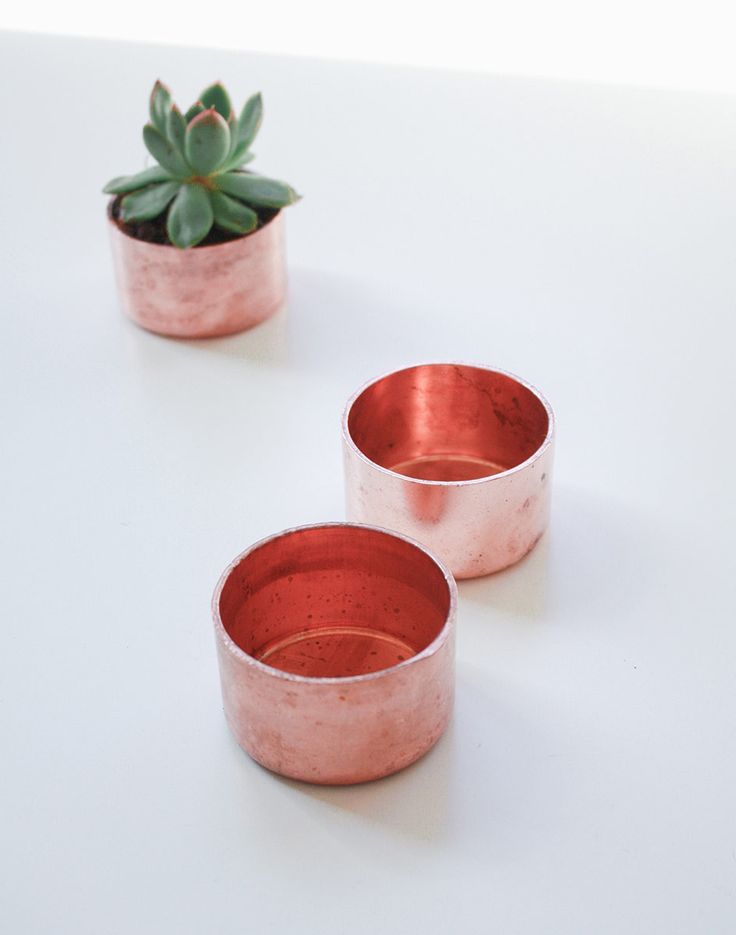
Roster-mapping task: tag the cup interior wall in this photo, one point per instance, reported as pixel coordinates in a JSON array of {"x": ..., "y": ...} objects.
[
  {"x": 448, "y": 422},
  {"x": 334, "y": 601}
]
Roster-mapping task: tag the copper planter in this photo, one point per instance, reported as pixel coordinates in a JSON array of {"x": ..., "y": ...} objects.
[
  {"x": 458, "y": 457},
  {"x": 201, "y": 292},
  {"x": 336, "y": 651}
]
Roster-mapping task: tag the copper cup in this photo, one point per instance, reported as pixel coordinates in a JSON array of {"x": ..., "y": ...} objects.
[
  {"x": 202, "y": 292},
  {"x": 458, "y": 457},
  {"x": 336, "y": 651}
]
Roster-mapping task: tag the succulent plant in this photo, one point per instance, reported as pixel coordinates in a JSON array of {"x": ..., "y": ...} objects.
[{"x": 199, "y": 180}]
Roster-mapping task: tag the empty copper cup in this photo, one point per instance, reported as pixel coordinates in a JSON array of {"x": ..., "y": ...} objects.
[
  {"x": 458, "y": 457},
  {"x": 336, "y": 651}
]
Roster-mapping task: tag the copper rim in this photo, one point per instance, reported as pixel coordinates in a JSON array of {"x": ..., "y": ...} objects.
[
  {"x": 256, "y": 664},
  {"x": 349, "y": 441}
]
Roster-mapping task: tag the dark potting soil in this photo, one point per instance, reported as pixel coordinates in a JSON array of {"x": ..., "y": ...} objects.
[{"x": 154, "y": 231}]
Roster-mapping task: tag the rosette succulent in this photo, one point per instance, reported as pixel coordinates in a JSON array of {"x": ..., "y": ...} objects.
[{"x": 199, "y": 180}]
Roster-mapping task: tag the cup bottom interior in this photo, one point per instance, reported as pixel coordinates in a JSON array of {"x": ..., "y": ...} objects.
[
  {"x": 325, "y": 652},
  {"x": 448, "y": 467},
  {"x": 334, "y": 601}
]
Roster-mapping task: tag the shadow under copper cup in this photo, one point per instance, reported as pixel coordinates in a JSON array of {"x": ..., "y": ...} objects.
[
  {"x": 336, "y": 651},
  {"x": 458, "y": 457}
]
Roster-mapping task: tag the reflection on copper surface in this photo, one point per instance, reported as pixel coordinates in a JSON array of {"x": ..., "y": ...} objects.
[
  {"x": 201, "y": 292},
  {"x": 456, "y": 456},
  {"x": 336, "y": 651}
]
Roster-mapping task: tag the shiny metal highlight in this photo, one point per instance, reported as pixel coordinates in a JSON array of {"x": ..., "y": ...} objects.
[
  {"x": 202, "y": 292},
  {"x": 458, "y": 457},
  {"x": 336, "y": 651}
]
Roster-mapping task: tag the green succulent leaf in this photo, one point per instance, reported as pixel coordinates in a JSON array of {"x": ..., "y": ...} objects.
[
  {"x": 216, "y": 96},
  {"x": 200, "y": 158},
  {"x": 232, "y": 125},
  {"x": 130, "y": 183},
  {"x": 256, "y": 189},
  {"x": 250, "y": 119},
  {"x": 159, "y": 106},
  {"x": 190, "y": 216},
  {"x": 148, "y": 202},
  {"x": 193, "y": 111},
  {"x": 232, "y": 215},
  {"x": 176, "y": 127},
  {"x": 207, "y": 142},
  {"x": 239, "y": 157},
  {"x": 164, "y": 152}
]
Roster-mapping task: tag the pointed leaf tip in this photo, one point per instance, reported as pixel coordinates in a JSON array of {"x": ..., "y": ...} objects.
[
  {"x": 257, "y": 190},
  {"x": 250, "y": 120},
  {"x": 130, "y": 183},
  {"x": 159, "y": 105},
  {"x": 216, "y": 96}
]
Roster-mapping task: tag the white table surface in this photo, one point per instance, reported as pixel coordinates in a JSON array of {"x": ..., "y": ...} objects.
[{"x": 580, "y": 236}]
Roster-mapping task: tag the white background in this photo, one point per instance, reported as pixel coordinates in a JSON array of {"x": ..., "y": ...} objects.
[
  {"x": 582, "y": 236},
  {"x": 669, "y": 43}
]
